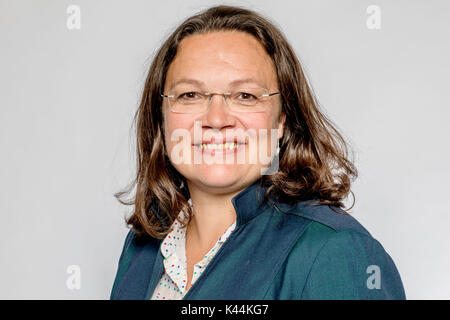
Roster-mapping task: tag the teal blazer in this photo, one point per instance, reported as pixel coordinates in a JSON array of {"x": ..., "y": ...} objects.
[{"x": 277, "y": 251}]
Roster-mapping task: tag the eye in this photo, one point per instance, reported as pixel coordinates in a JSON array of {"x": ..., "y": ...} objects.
[
  {"x": 189, "y": 96},
  {"x": 246, "y": 96}
]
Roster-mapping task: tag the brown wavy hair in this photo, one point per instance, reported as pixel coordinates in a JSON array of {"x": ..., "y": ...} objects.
[{"x": 313, "y": 158}]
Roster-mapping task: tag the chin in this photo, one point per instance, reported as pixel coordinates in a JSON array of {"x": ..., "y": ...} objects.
[{"x": 218, "y": 176}]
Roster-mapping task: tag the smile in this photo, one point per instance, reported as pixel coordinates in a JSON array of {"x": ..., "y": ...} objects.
[
  {"x": 214, "y": 149},
  {"x": 219, "y": 146}
]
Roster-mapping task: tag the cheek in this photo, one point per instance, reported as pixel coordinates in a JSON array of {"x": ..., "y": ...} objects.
[
  {"x": 263, "y": 125},
  {"x": 259, "y": 121},
  {"x": 267, "y": 128},
  {"x": 174, "y": 123}
]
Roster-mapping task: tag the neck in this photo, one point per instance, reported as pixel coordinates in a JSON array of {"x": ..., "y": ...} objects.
[{"x": 213, "y": 215}]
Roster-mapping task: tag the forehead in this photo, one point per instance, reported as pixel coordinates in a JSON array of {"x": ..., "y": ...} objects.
[{"x": 219, "y": 58}]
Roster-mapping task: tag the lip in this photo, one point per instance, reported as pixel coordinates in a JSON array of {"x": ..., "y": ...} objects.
[
  {"x": 220, "y": 141},
  {"x": 213, "y": 152}
]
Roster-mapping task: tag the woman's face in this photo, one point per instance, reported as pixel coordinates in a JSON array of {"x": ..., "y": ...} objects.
[{"x": 215, "y": 62}]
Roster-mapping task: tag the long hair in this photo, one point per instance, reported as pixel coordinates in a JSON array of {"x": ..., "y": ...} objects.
[{"x": 313, "y": 156}]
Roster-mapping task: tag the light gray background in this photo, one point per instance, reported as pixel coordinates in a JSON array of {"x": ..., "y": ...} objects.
[{"x": 67, "y": 98}]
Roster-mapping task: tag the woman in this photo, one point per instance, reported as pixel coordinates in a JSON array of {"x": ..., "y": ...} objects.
[{"x": 213, "y": 218}]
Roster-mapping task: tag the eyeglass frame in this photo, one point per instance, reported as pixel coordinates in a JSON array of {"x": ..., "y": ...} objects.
[{"x": 210, "y": 94}]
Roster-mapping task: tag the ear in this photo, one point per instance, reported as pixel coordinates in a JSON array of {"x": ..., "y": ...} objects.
[{"x": 281, "y": 123}]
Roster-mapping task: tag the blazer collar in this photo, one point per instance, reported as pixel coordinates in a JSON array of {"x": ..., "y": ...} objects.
[{"x": 249, "y": 203}]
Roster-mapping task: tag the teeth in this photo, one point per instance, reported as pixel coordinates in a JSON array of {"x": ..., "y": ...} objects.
[{"x": 215, "y": 146}]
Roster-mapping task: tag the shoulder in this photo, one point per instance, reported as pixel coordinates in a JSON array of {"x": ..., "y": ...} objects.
[
  {"x": 332, "y": 230},
  {"x": 329, "y": 216},
  {"x": 340, "y": 256},
  {"x": 134, "y": 243},
  {"x": 325, "y": 223},
  {"x": 326, "y": 227}
]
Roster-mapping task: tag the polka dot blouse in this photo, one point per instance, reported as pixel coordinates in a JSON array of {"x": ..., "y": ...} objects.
[{"x": 172, "y": 285}]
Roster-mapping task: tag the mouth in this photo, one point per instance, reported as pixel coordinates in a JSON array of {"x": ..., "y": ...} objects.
[
  {"x": 219, "y": 149},
  {"x": 219, "y": 146}
]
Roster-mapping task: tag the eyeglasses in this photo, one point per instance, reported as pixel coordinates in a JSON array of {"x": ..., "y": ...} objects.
[{"x": 243, "y": 100}]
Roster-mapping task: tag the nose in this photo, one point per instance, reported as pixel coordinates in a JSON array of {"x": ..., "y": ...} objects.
[{"x": 218, "y": 115}]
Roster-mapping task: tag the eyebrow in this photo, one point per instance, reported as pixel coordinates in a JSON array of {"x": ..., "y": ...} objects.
[{"x": 233, "y": 83}]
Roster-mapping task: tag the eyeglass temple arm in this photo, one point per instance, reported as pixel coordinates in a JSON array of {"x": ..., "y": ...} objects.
[{"x": 270, "y": 94}]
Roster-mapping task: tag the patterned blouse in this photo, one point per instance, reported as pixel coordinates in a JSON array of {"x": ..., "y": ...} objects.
[{"x": 172, "y": 285}]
